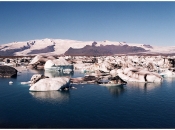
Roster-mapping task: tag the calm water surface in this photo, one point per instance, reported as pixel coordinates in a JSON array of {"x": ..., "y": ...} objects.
[{"x": 135, "y": 105}]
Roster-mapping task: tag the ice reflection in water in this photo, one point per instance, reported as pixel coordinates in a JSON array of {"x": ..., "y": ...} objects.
[
  {"x": 144, "y": 86},
  {"x": 56, "y": 96},
  {"x": 116, "y": 90},
  {"x": 169, "y": 79}
]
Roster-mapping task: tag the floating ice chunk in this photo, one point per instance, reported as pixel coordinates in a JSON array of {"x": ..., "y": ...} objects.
[
  {"x": 168, "y": 73},
  {"x": 29, "y": 82},
  {"x": 136, "y": 75},
  {"x": 49, "y": 84},
  {"x": 10, "y": 82}
]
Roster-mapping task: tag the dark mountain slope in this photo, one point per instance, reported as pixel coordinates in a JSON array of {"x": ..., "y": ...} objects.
[{"x": 103, "y": 50}]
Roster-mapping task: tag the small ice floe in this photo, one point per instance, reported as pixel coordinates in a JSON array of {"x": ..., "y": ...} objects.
[
  {"x": 10, "y": 82},
  {"x": 110, "y": 85},
  {"x": 73, "y": 87},
  {"x": 66, "y": 89},
  {"x": 29, "y": 82}
]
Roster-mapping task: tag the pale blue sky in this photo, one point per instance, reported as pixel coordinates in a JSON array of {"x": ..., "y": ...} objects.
[{"x": 133, "y": 22}]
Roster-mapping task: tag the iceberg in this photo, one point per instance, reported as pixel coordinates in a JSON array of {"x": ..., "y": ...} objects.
[
  {"x": 136, "y": 75},
  {"x": 50, "y": 84},
  {"x": 167, "y": 73},
  {"x": 57, "y": 64}
]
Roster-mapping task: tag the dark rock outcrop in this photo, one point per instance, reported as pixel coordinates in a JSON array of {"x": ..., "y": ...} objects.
[
  {"x": 86, "y": 79},
  {"x": 148, "y": 46},
  {"x": 7, "y": 71},
  {"x": 44, "y": 50},
  {"x": 103, "y": 50},
  {"x": 10, "y": 52}
]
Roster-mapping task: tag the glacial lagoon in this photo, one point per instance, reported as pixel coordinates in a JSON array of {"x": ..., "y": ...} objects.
[{"x": 134, "y": 105}]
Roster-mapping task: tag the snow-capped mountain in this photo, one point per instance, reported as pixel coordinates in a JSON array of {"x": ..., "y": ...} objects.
[{"x": 60, "y": 46}]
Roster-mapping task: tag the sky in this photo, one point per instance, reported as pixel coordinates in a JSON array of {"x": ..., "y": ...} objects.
[{"x": 131, "y": 22}]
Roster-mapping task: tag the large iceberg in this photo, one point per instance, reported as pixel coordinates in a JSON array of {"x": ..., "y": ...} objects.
[
  {"x": 136, "y": 75},
  {"x": 50, "y": 84},
  {"x": 57, "y": 64}
]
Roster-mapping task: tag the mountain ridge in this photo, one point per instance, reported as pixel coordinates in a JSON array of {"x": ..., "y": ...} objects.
[{"x": 62, "y": 46}]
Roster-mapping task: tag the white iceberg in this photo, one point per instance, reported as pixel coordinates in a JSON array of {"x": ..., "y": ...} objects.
[
  {"x": 36, "y": 59},
  {"x": 167, "y": 73},
  {"x": 136, "y": 75},
  {"x": 57, "y": 64},
  {"x": 50, "y": 84}
]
